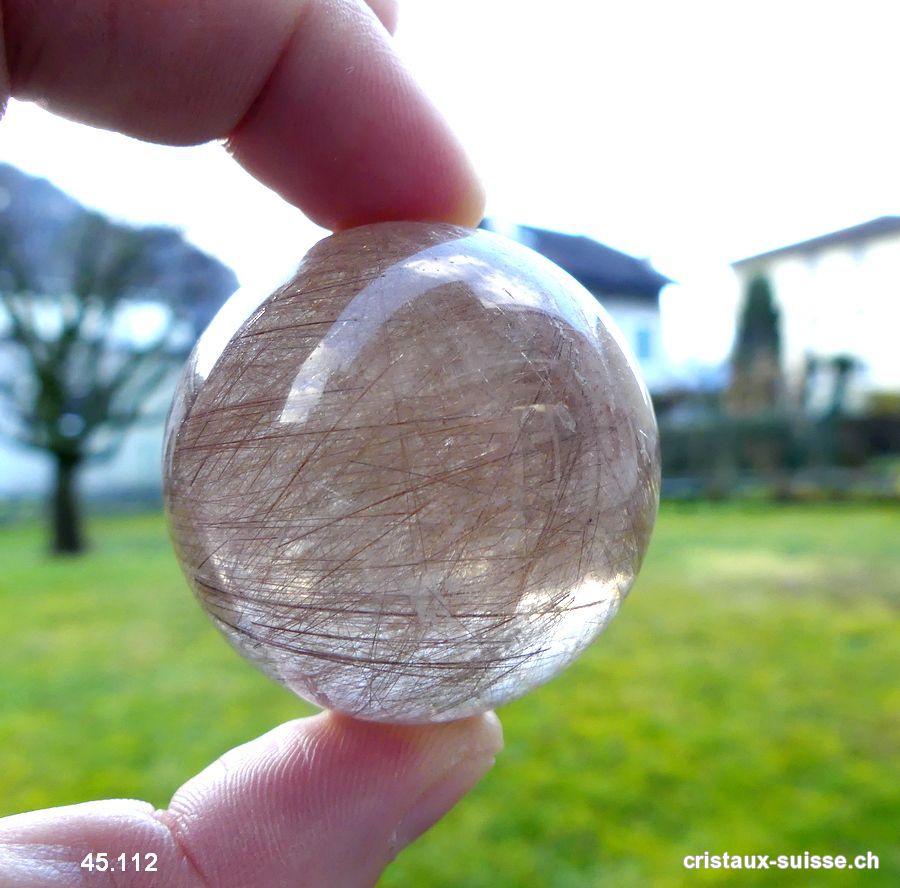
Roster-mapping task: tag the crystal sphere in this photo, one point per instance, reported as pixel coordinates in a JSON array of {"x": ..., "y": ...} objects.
[{"x": 417, "y": 480}]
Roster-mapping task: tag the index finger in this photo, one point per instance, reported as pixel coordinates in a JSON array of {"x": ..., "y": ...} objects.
[{"x": 309, "y": 95}]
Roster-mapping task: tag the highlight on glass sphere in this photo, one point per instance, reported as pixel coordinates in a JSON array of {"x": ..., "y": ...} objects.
[{"x": 417, "y": 480}]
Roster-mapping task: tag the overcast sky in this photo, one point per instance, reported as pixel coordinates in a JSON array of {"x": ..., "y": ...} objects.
[{"x": 691, "y": 133}]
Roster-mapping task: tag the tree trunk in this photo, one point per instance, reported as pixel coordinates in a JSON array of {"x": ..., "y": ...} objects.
[{"x": 65, "y": 512}]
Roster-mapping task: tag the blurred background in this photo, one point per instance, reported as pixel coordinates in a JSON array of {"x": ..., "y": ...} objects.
[{"x": 723, "y": 178}]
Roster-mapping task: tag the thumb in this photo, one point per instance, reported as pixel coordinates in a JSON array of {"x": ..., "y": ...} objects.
[
  {"x": 327, "y": 800},
  {"x": 322, "y": 801}
]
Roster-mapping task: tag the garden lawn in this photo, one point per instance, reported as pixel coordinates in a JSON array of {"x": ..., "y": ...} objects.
[{"x": 746, "y": 699}]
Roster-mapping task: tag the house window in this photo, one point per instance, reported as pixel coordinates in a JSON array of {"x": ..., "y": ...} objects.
[{"x": 643, "y": 343}]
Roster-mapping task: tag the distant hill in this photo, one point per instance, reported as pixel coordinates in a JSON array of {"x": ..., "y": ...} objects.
[{"x": 40, "y": 227}]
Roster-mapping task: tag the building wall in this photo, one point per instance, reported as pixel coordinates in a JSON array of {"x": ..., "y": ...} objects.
[
  {"x": 838, "y": 301},
  {"x": 639, "y": 322},
  {"x": 136, "y": 465}
]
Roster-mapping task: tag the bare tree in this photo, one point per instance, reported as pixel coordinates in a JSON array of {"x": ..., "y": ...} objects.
[{"x": 91, "y": 332}]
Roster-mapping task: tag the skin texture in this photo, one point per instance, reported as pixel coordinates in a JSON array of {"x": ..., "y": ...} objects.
[
  {"x": 308, "y": 96},
  {"x": 320, "y": 801}
]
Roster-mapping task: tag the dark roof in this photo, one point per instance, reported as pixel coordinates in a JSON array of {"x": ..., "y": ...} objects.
[
  {"x": 601, "y": 269},
  {"x": 863, "y": 232}
]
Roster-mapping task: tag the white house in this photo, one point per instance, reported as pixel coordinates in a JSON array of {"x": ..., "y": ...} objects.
[
  {"x": 837, "y": 295},
  {"x": 134, "y": 470},
  {"x": 44, "y": 231},
  {"x": 627, "y": 287}
]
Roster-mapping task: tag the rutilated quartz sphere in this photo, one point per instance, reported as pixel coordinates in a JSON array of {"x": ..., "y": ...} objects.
[{"x": 417, "y": 480}]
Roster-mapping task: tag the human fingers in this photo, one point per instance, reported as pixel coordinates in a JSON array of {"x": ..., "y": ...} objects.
[
  {"x": 308, "y": 94},
  {"x": 387, "y": 13},
  {"x": 321, "y": 801}
]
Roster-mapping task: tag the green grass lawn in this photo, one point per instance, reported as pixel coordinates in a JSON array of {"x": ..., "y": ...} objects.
[{"x": 746, "y": 699}]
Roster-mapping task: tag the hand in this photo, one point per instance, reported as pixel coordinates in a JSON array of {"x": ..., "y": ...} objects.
[
  {"x": 322, "y": 801},
  {"x": 310, "y": 98},
  {"x": 308, "y": 95}
]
